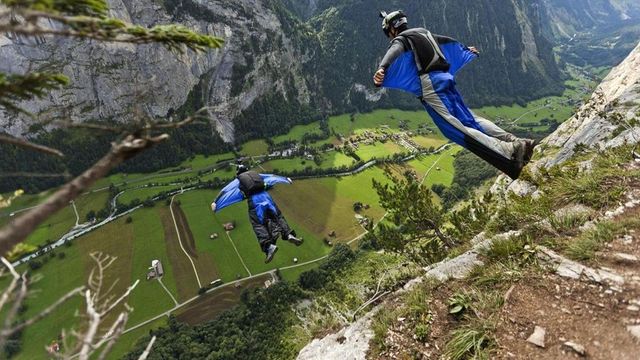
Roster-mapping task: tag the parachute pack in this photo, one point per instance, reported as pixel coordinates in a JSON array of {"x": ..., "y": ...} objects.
[{"x": 251, "y": 183}]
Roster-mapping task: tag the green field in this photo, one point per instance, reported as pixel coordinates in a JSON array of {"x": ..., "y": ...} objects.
[
  {"x": 200, "y": 161},
  {"x": 429, "y": 141},
  {"x": 297, "y": 132},
  {"x": 559, "y": 108},
  {"x": 53, "y": 228},
  {"x": 91, "y": 202},
  {"x": 392, "y": 118},
  {"x": 332, "y": 159},
  {"x": 255, "y": 148},
  {"x": 143, "y": 193},
  {"x": 379, "y": 151}
]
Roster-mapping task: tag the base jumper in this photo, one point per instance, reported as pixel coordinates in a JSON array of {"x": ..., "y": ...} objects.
[
  {"x": 266, "y": 219},
  {"x": 424, "y": 64}
]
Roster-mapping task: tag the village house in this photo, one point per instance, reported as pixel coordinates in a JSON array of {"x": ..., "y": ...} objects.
[{"x": 156, "y": 270}]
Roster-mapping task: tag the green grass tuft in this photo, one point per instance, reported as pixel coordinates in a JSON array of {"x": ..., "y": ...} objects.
[
  {"x": 586, "y": 245},
  {"x": 471, "y": 341}
]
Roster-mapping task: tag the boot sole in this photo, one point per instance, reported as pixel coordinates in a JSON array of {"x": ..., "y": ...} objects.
[
  {"x": 528, "y": 151},
  {"x": 296, "y": 242},
  {"x": 269, "y": 258}
]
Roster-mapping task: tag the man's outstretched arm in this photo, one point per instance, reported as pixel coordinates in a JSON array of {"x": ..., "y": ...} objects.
[{"x": 396, "y": 49}]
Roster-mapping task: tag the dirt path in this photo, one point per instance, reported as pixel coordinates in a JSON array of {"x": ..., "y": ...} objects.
[
  {"x": 175, "y": 223},
  {"x": 185, "y": 279},
  {"x": 238, "y": 253}
]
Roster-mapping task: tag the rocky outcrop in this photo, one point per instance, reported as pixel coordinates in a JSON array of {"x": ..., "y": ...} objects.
[{"x": 609, "y": 119}]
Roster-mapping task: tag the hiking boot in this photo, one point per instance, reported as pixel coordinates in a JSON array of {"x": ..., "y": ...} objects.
[
  {"x": 294, "y": 240},
  {"x": 271, "y": 252},
  {"x": 530, "y": 144},
  {"x": 523, "y": 151}
]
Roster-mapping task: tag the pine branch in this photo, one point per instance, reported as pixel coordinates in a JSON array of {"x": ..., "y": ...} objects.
[
  {"x": 172, "y": 36},
  {"x": 69, "y": 7},
  {"x": 14, "y": 88}
]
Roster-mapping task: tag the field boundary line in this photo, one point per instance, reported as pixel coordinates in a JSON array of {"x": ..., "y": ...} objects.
[
  {"x": 238, "y": 253},
  {"x": 168, "y": 292},
  {"x": 175, "y": 224},
  {"x": 188, "y": 301}
]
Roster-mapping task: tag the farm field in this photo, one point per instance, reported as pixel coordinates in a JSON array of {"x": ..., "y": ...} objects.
[{"x": 226, "y": 296}]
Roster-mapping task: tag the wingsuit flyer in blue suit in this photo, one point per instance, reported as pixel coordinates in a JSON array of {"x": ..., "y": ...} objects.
[{"x": 425, "y": 65}]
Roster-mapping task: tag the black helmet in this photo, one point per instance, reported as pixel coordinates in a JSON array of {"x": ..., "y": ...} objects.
[
  {"x": 395, "y": 19},
  {"x": 241, "y": 169}
]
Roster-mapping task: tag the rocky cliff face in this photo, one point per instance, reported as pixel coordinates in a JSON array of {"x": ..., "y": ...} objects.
[
  {"x": 271, "y": 53},
  {"x": 610, "y": 118},
  {"x": 116, "y": 81}
]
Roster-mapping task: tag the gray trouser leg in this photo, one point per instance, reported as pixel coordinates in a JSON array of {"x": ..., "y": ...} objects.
[
  {"x": 494, "y": 130},
  {"x": 283, "y": 226},
  {"x": 432, "y": 98},
  {"x": 262, "y": 231}
]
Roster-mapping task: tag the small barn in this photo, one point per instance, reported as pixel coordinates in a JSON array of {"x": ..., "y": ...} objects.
[
  {"x": 228, "y": 226},
  {"x": 156, "y": 270}
]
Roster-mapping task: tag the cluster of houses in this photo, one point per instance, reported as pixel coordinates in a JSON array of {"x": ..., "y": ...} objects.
[{"x": 369, "y": 137}]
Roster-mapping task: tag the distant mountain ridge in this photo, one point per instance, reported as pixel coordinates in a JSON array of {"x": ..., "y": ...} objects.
[{"x": 592, "y": 32}]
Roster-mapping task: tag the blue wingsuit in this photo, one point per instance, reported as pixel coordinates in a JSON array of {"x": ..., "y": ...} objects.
[
  {"x": 266, "y": 219},
  {"x": 425, "y": 65}
]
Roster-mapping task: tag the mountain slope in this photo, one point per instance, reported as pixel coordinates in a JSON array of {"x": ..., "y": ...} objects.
[
  {"x": 274, "y": 70},
  {"x": 594, "y": 32}
]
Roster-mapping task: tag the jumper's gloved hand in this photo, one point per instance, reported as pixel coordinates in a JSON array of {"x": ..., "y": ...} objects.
[
  {"x": 213, "y": 206},
  {"x": 378, "y": 77},
  {"x": 474, "y": 50}
]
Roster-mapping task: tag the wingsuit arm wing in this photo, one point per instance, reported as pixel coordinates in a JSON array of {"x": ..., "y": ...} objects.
[
  {"x": 457, "y": 54},
  {"x": 228, "y": 196},
  {"x": 270, "y": 180},
  {"x": 402, "y": 74}
]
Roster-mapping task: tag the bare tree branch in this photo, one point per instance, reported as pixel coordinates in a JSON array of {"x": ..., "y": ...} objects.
[
  {"x": 147, "y": 350},
  {"x": 118, "y": 324},
  {"x": 113, "y": 337},
  {"x": 29, "y": 145},
  {"x": 34, "y": 175},
  {"x": 120, "y": 299},
  {"x": 12, "y": 286},
  {"x": 197, "y": 115},
  {"x": 44, "y": 313},
  {"x": 16, "y": 231},
  {"x": 17, "y": 303},
  {"x": 90, "y": 126}
]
